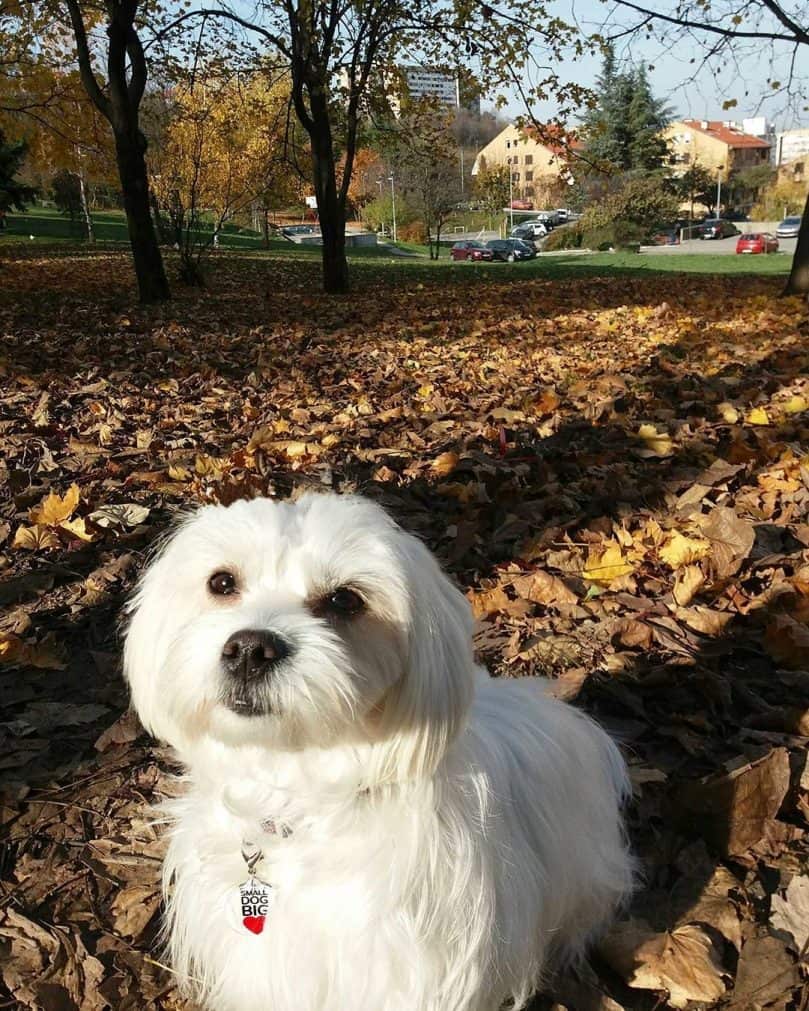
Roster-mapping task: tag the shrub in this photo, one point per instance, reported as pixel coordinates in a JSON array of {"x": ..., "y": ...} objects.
[
  {"x": 638, "y": 206},
  {"x": 565, "y": 237},
  {"x": 415, "y": 231}
]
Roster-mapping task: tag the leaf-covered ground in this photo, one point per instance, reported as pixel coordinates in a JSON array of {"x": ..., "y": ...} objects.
[{"x": 615, "y": 469}]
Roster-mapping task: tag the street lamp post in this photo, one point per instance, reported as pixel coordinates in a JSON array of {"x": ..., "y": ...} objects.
[
  {"x": 393, "y": 202},
  {"x": 380, "y": 183},
  {"x": 718, "y": 189},
  {"x": 510, "y": 194}
]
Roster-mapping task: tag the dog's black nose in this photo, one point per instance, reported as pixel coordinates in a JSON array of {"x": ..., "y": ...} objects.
[{"x": 252, "y": 653}]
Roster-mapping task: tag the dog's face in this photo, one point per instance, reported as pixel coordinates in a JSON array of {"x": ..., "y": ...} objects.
[{"x": 300, "y": 625}]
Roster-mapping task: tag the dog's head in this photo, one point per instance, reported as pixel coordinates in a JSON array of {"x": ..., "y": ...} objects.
[{"x": 291, "y": 626}]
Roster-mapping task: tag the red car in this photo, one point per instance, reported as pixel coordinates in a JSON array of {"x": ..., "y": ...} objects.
[
  {"x": 521, "y": 205},
  {"x": 757, "y": 242},
  {"x": 469, "y": 249}
]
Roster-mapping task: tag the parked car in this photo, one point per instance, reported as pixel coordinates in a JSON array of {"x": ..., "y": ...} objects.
[
  {"x": 789, "y": 228},
  {"x": 511, "y": 250},
  {"x": 664, "y": 237},
  {"x": 470, "y": 249},
  {"x": 289, "y": 230},
  {"x": 717, "y": 228},
  {"x": 757, "y": 242},
  {"x": 529, "y": 230},
  {"x": 521, "y": 205}
]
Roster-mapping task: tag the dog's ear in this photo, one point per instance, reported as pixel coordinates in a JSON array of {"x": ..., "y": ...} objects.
[
  {"x": 422, "y": 714},
  {"x": 147, "y": 627}
]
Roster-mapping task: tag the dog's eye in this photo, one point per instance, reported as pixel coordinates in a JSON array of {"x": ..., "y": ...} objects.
[
  {"x": 343, "y": 601},
  {"x": 222, "y": 584}
]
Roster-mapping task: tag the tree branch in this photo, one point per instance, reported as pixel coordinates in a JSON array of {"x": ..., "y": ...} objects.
[
  {"x": 728, "y": 33},
  {"x": 88, "y": 78}
]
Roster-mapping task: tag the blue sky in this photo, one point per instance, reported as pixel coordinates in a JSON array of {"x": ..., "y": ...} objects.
[{"x": 692, "y": 89}]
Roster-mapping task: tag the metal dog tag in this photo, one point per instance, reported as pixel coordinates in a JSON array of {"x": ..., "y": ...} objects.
[{"x": 251, "y": 905}]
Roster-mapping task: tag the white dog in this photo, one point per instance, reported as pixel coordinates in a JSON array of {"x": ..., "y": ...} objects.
[{"x": 371, "y": 822}]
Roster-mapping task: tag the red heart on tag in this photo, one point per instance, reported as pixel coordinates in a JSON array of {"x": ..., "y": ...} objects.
[{"x": 255, "y": 924}]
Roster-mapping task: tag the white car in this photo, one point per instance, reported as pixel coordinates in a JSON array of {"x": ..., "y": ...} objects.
[{"x": 529, "y": 230}]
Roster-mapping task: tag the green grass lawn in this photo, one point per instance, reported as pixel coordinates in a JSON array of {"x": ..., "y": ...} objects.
[
  {"x": 46, "y": 224},
  {"x": 49, "y": 226}
]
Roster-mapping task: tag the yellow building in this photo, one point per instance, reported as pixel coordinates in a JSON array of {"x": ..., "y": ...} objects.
[
  {"x": 713, "y": 145},
  {"x": 536, "y": 168}
]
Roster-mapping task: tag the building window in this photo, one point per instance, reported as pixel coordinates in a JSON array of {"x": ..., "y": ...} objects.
[
  {"x": 529, "y": 191},
  {"x": 529, "y": 176},
  {"x": 529, "y": 159},
  {"x": 515, "y": 177},
  {"x": 508, "y": 143}
]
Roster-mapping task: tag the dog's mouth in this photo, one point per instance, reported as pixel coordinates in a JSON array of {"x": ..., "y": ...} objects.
[{"x": 244, "y": 702}]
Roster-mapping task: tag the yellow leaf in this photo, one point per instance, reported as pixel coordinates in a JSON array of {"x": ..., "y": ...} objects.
[
  {"x": 12, "y": 648},
  {"x": 795, "y": 405},
  {"x": 54, "y": 509},
  {"x": 610, "y": 564},
  {"x": 680, "y": 550},
  {"x": 77, "y": 528},
  {"x": 177, "y": 472},
  {"x": 758, "y": 416},
  {"x": 35, "y": 538},
  {"x": 655, "y": 443}
]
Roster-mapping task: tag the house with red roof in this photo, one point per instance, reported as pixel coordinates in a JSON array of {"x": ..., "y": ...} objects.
[{"x": 720, "y": 147}]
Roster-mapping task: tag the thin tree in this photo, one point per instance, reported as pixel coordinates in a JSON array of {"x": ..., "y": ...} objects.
[{"x": 119, "y": 100}]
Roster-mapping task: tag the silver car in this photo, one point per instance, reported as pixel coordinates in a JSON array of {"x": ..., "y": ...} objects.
[{"x": 789, "y": 228}]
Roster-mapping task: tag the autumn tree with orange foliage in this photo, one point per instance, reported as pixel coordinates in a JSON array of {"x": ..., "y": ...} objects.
[{"x": 222, "y": 147}]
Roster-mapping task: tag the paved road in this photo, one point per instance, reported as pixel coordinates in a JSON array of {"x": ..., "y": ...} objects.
[{"x": 711, "y": 246}]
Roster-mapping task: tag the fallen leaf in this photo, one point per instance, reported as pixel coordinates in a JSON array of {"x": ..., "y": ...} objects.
[
  {"x": 36, "y": 538},
  {"x": 542, "y": 587},
  {"x": 682, "y": 961},
  {"x": 125, "y": 514},
  {"x": 605, "y": 566},
  {"x": 758, "y": 416},
  {"x": 55, "y": 509},
  {"x": 733, "y": 811},
  {"x": 791, "y": 913},
  {"x": 679, "y": 550},
  {"x": 732, "y": 540},
  {"x": 655, "y": 443}
]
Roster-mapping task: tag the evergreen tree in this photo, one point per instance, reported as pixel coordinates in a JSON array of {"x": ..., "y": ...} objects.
[
  {"x": 647, "y": 116},
  {"x": 13, "y": 193},
  {"x": 622, "y": 132}
]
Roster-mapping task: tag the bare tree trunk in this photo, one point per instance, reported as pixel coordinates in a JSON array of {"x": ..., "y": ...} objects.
[
  {"x": 85, "y": 211},
  {"x": 330, "y": 209},
  {"x": 153, "y": 285},
  {"x": 126, "y": 74},
  {"x": 798, "y": 281}
]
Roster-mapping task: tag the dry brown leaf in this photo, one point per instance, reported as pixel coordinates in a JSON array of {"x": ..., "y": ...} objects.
[
  {"x": 445, "y": 463},
  {"x": 765, "y": 973},
  {"x": 688, "y": 582},
  {"x": 487, "y": 602},
  {"x": 682, "y": 961},
  {"x": 133, "y": 907},
  {"x": 791, "y": 913},
  {"x": 126, "y": 729},
  {"x": 35, "y": 538},
  {"x": 713, "y": 905},
  {"x": 787, "y": 641},
  {"x": 542, "y": 587},
  {"x": 732, "y": 540},
  {"x": 732, "y": 811},
  {"x": 705, "y": 619}
]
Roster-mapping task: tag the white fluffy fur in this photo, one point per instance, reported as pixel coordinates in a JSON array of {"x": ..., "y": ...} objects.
[{"x": 452, "y": 835}]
